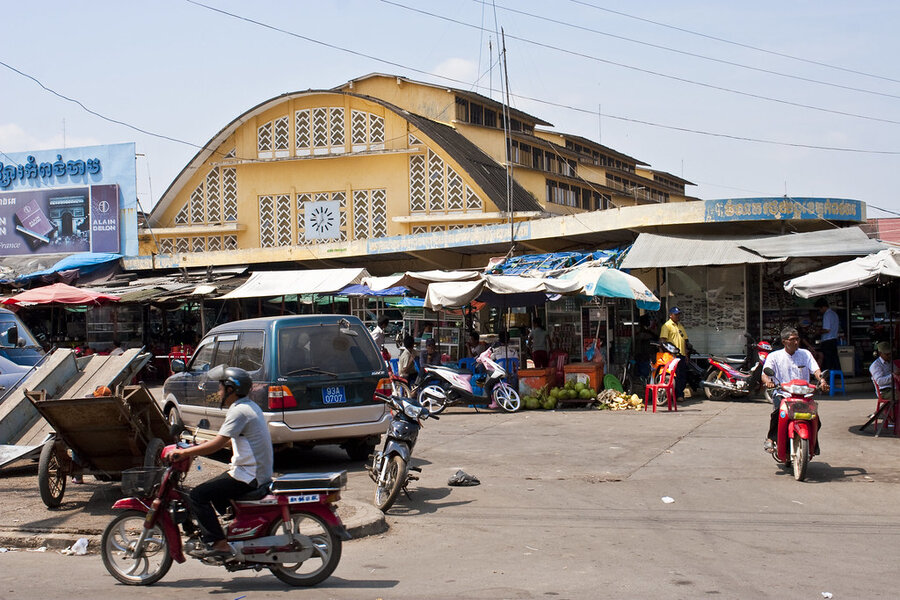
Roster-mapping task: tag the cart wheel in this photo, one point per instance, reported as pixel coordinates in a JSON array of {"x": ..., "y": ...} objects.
[
  {"x": 153, "y": 455},
  {"x": 51, "y": 475}
]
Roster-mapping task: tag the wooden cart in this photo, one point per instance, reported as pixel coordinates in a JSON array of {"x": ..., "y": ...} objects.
[{"x": 100, "y": 436}]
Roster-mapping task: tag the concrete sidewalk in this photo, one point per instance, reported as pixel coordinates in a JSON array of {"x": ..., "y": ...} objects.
[{"x": 86, "y": 509}]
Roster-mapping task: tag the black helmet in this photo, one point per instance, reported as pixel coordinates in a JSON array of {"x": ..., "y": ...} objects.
[{"x": 234, "y": 377}]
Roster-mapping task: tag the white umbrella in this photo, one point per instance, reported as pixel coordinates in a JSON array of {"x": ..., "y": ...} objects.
[
  {"x": 613, "y": 283},
  {"x": 847, "y": 275}
]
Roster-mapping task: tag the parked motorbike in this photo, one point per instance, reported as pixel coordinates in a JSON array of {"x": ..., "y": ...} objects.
[
  {"x": 445, "y": 386},
  {"x": 798, "y": 425},
  {"x": 289, "y": 526},
  {"x": 664, "y": 355},
  {"x": 389, "y": 467},
  {"x": 724, "y": 379}
]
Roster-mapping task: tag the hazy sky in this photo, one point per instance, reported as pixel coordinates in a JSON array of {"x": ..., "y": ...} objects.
[{"x": 652, "y": 79}]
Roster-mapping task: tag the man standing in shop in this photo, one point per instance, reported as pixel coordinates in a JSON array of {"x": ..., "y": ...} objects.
[
  {"x": 829, "y": 340},
  {"x": 673, "y": 332}
]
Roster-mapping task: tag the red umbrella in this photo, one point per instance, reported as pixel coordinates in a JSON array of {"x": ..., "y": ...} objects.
[{"x": 58, "y": 293}]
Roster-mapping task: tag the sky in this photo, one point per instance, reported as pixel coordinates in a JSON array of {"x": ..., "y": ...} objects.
[{"x": 768, "y": 98}]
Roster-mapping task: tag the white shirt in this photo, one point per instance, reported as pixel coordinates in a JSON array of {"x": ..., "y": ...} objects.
[
  {"x": 799, "y": 365},
  {"x": 378, "y": 336},
  {"x": 881, "y": 373}
]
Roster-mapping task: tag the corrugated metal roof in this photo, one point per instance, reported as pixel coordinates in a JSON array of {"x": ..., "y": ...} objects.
[
  {"x": 842, "y": 241},
  {"x": 651, "y": 250}
]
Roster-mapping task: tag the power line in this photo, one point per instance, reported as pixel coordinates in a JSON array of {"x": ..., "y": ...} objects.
[
  {"x": 546, "y": 102},
  {"x": 733, "y": 43},
  {"x": 649, "y": 71},
  {"x": 691, "y": 54},
  {"x": 95, "y": 113}
]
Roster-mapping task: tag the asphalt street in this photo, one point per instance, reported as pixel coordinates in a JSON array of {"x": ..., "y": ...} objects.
[{"x": 571, "y": 505}]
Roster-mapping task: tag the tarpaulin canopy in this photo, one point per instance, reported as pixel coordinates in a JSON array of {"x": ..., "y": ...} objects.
[
  {"x": 84, "y": 262},
  {"x": 59, "y": 293},
  {"x": 539, "y": 265},
  {"x": 266, "y": 284},
  {"x": 359, "y": 289},
  {"x": 419, "y": 280},
  {"x": 847, "y": 275},
  {"x": 612, "y": 283},
  {"x": 506, "y": 290}
]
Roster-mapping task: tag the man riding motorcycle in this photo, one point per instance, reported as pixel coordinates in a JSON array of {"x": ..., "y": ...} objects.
[
  {"x": 251, "y": 461},
  {"x": 789, "y": 363}
]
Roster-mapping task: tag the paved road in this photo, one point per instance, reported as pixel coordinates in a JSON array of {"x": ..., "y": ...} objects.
[{"x": 570, "y": 507}]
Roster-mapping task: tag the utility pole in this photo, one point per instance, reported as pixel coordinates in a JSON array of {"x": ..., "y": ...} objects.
[{"x": 509, "y": 167}]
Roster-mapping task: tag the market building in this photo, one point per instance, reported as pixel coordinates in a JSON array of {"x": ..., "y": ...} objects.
[{"x": 388, "y": 174}]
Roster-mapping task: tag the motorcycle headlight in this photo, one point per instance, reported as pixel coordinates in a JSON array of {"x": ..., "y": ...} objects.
[{"x": 412, "y": 411}]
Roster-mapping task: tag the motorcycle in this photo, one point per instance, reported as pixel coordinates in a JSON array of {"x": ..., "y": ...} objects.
[
  {"x": 723, "y": 379},
  {"x": 664, "y": 355},
  {"x": 389, "y": 467},
  {"x": 798, "y": 425},
  {"x": 289, "y": 526},
  {"x": 445, "y": 386}
]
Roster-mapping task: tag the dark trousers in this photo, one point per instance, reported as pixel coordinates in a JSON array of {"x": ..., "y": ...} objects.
[
  {"x": 540, "y": 358},
  {"x": 681, "y": 377},
  {"x": 216, "y": 492},
  {"x": 830, "y": 360}
]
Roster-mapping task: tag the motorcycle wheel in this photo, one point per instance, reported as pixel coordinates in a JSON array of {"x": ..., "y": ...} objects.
[
  {"x": 317, "y": 536},
  {"x": 800, "y": 458},
  {"x": 386, "y": 493},
  {"x": 118, "y": 544},
  {"x": 51, "y": 476},
  {"x": 435, "y": 400},
  {"x": 716, "y": 377},
  {"x": 401, "y": 389},
  {"x": 507, "y": 397}
]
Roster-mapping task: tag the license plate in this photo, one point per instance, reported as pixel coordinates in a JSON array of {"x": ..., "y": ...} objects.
[{"x": 334, "y": 395}]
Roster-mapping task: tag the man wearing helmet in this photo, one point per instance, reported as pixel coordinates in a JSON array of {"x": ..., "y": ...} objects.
[{"x": 251, "y": 460}]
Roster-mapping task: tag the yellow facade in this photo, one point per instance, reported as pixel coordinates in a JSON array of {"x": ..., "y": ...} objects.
[{"x": 313, "y": 174}]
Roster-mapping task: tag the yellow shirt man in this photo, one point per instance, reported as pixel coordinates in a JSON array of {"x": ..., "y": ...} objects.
[{"x": 673, "y": 331}]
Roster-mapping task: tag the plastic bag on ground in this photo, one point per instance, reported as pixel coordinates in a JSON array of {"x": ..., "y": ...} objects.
[{"x": 461, "y": 478}]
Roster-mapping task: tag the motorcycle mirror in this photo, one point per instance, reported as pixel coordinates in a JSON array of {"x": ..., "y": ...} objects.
[{"x": 769, "y": 371}]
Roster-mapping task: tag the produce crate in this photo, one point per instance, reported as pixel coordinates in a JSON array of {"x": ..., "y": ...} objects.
[
  {"x": 532, "y": 380},
  {"x": 587, "y": 372}
]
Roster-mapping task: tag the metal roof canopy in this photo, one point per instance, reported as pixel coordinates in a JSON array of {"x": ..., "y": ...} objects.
[
  {"x": 653, "y": 250},
  {"x": 844, "y": 241}
]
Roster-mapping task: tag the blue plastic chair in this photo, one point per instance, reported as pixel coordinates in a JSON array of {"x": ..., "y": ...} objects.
[
  {"x": 831, "y": 374},
  {"x": 467, "y": 363},
  {"x": 511, "y": 366},
  {"x": 395, "y": 366}
]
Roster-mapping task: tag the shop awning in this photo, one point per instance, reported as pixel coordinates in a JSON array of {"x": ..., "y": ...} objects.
[
  {"x": 506, "y": 290},
  {"x": 842, "y": 241},
  {"x": 267, "y": 284},
  {"x": 880, "y": 266},
  {"x": 419, "y": 280},
  {"x": 653, "y": 250}
]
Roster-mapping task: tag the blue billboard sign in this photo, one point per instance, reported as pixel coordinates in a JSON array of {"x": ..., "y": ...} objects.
[
  {"x": 757, "y": 209},
  {"x": 69, "y": 200}
]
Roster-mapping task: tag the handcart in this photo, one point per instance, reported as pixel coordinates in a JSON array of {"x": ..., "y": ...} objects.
[{"x": 98, "y": 435}]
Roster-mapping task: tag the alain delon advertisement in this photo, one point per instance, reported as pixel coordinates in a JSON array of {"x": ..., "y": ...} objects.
[
  {"x": 68, "y": 200},
  {"x": 80, "y": 219}
]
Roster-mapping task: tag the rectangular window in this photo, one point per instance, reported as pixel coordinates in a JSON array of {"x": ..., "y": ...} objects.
[
  {"x": 490, "y": 118},
  {"x": 476, "y": 113},
  {"x": 462, "y": 110}
]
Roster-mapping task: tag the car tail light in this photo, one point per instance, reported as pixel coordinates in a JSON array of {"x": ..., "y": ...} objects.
[
  {"x": 280, "y": 397},
  {"x": 385, "y": 387}
]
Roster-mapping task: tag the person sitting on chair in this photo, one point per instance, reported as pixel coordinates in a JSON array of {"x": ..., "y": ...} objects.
[
  {"x": 407, "y": 362},
  {"x": 882, "y": 369},
  {"x": 430, "y": 355}
]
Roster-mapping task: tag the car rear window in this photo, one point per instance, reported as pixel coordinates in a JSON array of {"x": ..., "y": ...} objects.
[{"x": 304, "y": 349}]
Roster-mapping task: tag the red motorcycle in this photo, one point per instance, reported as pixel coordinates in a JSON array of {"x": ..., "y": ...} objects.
[
  {"x": 798, "y": 425},
  {"x": 289, "y": 527},
  {"x": 724, "y": 380}
]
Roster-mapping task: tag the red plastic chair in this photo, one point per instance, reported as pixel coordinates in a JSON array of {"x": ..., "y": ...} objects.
[
  {"x": 889, "y": 418},
  {"x": 666, "y": 383},
  {"x": 558, "y": 358}
]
